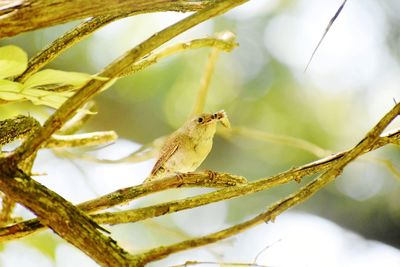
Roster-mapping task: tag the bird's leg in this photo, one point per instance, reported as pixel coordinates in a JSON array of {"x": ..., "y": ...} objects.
[
  {"x": 180, "y": 177},
  {"x": 211, "y": 174}
]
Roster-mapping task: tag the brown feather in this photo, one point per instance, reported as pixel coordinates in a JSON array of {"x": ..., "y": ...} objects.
[{"x": 166, "y": 153}]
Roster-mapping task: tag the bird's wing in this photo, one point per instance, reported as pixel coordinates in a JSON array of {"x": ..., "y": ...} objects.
[{"x": 166, "y": 153}]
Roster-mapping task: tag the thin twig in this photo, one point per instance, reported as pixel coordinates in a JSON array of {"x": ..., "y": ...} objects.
[
  {"x": 134, "y": 157},
  {"x": 7, "y": 207},
  {"x": 276, "y": 139},
  {"x": 227, "y": 264},
  {"x": 208, "y": 72},
  {"x": 205, "y": 82},
  {"x": 220, "y": 42},
  {"x": 390, "y": 166},
  {"x": 84, "y": 139},
  {"x": 263, "y": 250},
  {"x": 326, "y": 31},
  {"x": 79, "y": 119},
  {"x": 145, "y": 152}
]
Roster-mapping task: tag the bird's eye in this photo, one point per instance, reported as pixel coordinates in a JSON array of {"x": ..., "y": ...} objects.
[{"x": 200, "y": 120}]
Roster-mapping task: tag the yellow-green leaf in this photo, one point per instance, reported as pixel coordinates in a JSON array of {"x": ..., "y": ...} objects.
[
  {"x": 54, "y": 100},
  {"x": 10, "y": 96},
  {"x": 13, "y": 61},
  {"x": 35, "y": 92},
  {"x": 10, "y": 91},
  {"x": 46, "y": 98},
  {"x": 57, "y": 77},
  {"x": 44, "y": 101}
]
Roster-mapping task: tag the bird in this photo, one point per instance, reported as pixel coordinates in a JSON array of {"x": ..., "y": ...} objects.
[{"x": 186, "y": 148}]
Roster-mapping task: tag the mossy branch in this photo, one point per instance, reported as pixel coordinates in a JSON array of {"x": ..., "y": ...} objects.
[
  {"x": 123, "y": 196},
  {"x": 86, "y": 28},
  {"x": 62, "y": 217},
  {"x": 54, "y": 211},
  {"x": 24, "y": 15},
  {"x": 17, "y": 128}
]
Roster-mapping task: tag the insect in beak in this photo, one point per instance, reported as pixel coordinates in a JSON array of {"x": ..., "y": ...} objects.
[
  {"x": 223, "y": 118},
  {"x": 225, "y": 122}
]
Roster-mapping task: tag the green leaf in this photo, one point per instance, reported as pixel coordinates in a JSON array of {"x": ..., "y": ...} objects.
[
  {"x": 35, "y": 92},
  {"x": 46, "y": 98},
  {"x": 10, "y": 91},
  {"x": 54, "y": 100},
  {"x": 58, "y": 78},
  {"x": 50, "y": 101},
  {"x": 13, "y": 61}
]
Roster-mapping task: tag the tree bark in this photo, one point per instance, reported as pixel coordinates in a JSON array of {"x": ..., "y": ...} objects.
[{"x": 61, "y": 216}]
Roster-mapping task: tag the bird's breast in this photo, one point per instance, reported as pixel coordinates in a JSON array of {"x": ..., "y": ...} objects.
[{"x": 189, "y": 157}]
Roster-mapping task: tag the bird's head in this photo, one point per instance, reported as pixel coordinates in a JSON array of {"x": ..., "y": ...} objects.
[{"x": 206, "y": 123}]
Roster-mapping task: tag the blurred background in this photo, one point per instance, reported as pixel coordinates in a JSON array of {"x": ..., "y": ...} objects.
[{"x": 351, "y": 83}]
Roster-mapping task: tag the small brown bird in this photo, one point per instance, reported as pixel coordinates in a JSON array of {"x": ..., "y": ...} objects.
[{"x": 186, "y": 148}]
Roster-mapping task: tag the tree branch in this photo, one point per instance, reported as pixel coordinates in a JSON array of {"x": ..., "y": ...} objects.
[
  {"x": 206, "y": 78},
  {"x": 232, "y": 192},
  {"x": 54, "y": 211},
  {"x": 276, "y": 139},
  {"x": 17, "y": 128},
  {"x": 123, "y": 196},
  {"x": 83, "y": 139},
  {"x": 61, "y": 216},
  {"x": 22, "y": 126},
  {"x": 113, "y": 70},
  {"x": 302, "y": 195},
  {"x": 86, "y": 28},
  {"x": 7, "y": 207},
  {"x": 31, "y": 15},
  {"x": 221, "y": 42}
]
